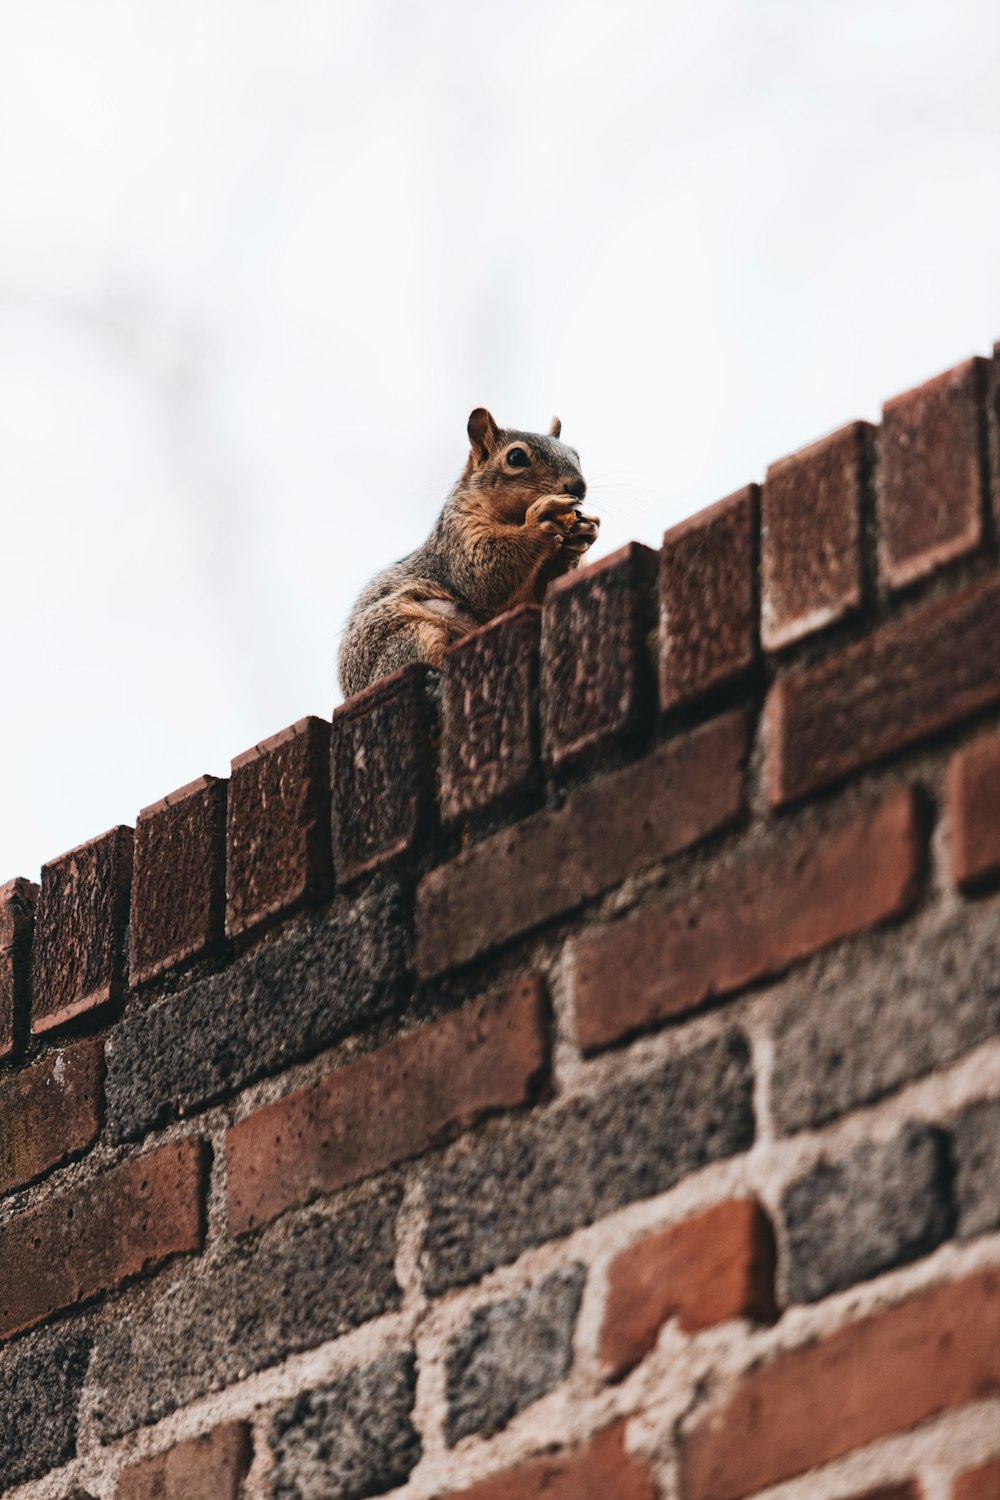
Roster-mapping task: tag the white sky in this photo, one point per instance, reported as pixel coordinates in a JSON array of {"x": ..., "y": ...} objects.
[{"x": 259, "y": 258}]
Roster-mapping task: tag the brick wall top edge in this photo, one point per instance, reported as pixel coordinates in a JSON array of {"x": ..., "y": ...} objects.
[
  {"x": 818, "y": 445},
  {"x": 509, "y": 617},
  {"x": 707, "y": 513},
  {"x": 273, "y": 741},
  {"x": 358, "y": 702},
  {"x": 173, "y": 799},
  {"x": 116, "y": 829},
  {"x": 613, "y": 560},
  {"x": 17, "y": 905},
  {"x": 937, "y": 382}
]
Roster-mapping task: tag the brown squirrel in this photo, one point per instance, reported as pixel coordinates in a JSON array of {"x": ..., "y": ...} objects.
[{"x": 510, "y": 525}]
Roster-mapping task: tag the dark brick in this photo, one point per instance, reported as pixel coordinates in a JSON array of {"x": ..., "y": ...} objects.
[
  {"x": 278, "y": 826},
  {"x": 993, "y": 431},
  {"x": 333, "y": 973},
  {"x": 903, "y": 683},
  {"x": 17, "y": 920},
  {"x": 978, "y": 1484},
  {"x": 554, "y": 861},
  {"x": 577, "y": 1162},
  {"x": 50, "y": 1112},
  {"x": 489, "y": 714},
  {"x": 930, "y": 474},
  {"x": 973, "y": 792},
  {"x": 383, "y": 750},
  {"x": 79, "y": 929},
  {"x": 210, "y": 1467},
  {"x": 976, "y": 1151},
  {"x": 510, "y": 1354},
  {"x": 908, "y": 1491},
  {"x": 811, "y": 536},
  {"x": 350, "y": 1439},
  {"x": 708, "y": 603},
  {"x": 603, "y": 1469},
  {"x": 179, "y": 883},
  {"x": 883, "y": 1205},
  {"x": 305, "y": 1281},
  {"x": 596, "y": 678},
  {"x": 41, "y": 1382}
]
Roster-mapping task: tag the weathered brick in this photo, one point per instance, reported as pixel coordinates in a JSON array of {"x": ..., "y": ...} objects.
[
  {"x": 489, "y": 714},
  {"x": 383, "y": 751},
  {"x": 17, "y": 920},
  {"x": 387, "y": 1106},
  {"x": 79, "y": 929},
  {"x": 976, "y": 1153},
  {"x": 179, "y": 881},
  {"x": 601, "y": 1470},
  {"x": 349, "y": 1439},
  {"x": 510, "y": 1354},
  {"x": 774, "y": 903},
  {"x": 883, "y": 1374},
  {"x": 596, "y": 677},
  {"x": 811, "y": 536},
  {"x": 708, "y": 599},
  {"x": 210, "y": 1467},
  {"x": 50, "y": 1112},
  {"x": 554, "y": 861},
  {"x": 716, "y": 1266},
  {"x": 41, "y": 1379},
  {"x": 930, "y": 474},
  {"x": 907, "y": 681},
  {"x": 278, "y": 826},
  {"x": 541, "y": 1179},
  {"x": 100, "y": 1233},
  {"x": 881, "y": 1206},
  {"x": 974, "y": 811},
  {"x": 978, "y": 1484}
]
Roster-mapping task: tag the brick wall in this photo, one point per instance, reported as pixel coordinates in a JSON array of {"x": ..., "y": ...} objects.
[{"x": 574, "y": 1076}]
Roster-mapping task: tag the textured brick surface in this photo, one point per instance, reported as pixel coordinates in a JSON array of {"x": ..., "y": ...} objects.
[
  {"x": 42, "y": 1380},
  {"x": 905, "y": 682},
  {"x": 350, "y": 1439},
  {"x": 776, "y": 902},
  {"x": 974, "y": 811},
  {"x": 278, "y": 826},
  {"x": 708, "y": 605},
  {"x": 49, "y": 1112},
  {"x": 881, "y": 1206},
  {"x": 811, "y": 536},
  {"x": 880, "y": 1375},
  {"x": 79, "y": 929},
  {"x": 303, "y": 1282},
  {"x": 602, "y": 1470},
  {"x": 510, "y": 1354},
  {"x": 554, "y": 861},
  {"x": 596, "y": 674},
  {"x": 993, "y": 429},
  {"x": 179, "y": 882},
  {"x": 538, "y": 1181},
  {"x": 17, "y": 917},
  {"x": 388, "y": 1105},
  {"x": 716, "y": 1266},
  {"x": 978, "y": 1484},
  {"x": 976, "y": 1154},
  {"x": 382, "y": 765},
  {"x": 930, "y": 477},
  {"x": 209, "y": 1467},
  {"x": 489, "y": 714}
]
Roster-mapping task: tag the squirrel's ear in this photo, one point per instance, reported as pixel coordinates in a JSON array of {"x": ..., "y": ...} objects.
[
  {"x": 484, "y": 434},
  {"x": 555, "y": 428}
]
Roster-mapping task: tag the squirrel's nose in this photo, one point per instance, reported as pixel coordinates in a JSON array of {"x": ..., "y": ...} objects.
[{"x": 577, "y": 487}]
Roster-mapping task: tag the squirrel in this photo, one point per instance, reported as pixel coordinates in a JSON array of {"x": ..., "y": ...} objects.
[{"x": 510, "y": 525}]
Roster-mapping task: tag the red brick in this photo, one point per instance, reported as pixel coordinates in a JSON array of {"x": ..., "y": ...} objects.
[
  {"x": 17, "y": 920},
  {"x": 714, "y": 1267},
  {"x": 978, "y": 1484},
  {"x": 278, "y": 826},
  {"x": 596, "y": 677},
  {"x": 811, "y": 536},
  {"x": 50, "y": 1112},
  {"x": 99, "y": 1234},
  {"x": 776, "y": 902},
  {"x": 382, "y": 755},
  {"x": 708, "y": 604},
  {"x": 553, "y": 862},
  {"x": 489, "y": 714},
  {"x": 210, "y": 1467},
  {"x": 930, "y": 474},
  {"x": 993, "y": 430},
  {"x": 602, "y": 1470},
  {"x": 179, "y": 881},
  {"x": 387, "y": 1106},
  {"x": 881, "y": 1375},
  {"x": 974, "y": 811},
  {"x": 905, "y": 682},
  {"x": 80, "y": 923}
]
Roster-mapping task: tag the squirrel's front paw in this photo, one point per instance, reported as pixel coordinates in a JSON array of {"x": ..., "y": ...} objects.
[
  {"x": 582, "y": 534},
  {"x": 555, "y": 516}
]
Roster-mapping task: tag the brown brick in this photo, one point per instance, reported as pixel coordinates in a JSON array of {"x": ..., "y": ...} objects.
[
  {"x": 716, "y": 1266},
  {"x": 601, "y": 1470},
  {"x": 209, "y": 1467},
  {"x": 278, "y": 826},
  {"x": 974, "y": 811},
  {"x": 881, "y": 1375},
  {"x": 811, "y": 536},
  {"x": 596, "y": 678},
  {"x": 905, "y": 682},
  {"x": 978, "y": 1484},
  {"x": 774, "y": 903},
  {"x": 100, "y": 1233},
  {"x": 930, "y": 474},
  {"x": 382, "y": 755},
  {"x": 489, "y": 714},
  {"x": 993, "y": 430},
  {"x": 552, "y": 862},
  {"x": 387, "y": 1106},
  {"x": 708, "y": 605},
  {"x": 50, "y": 1112},
  {"x": 179, "y": 881},
  {"x": 80, "y": 923},
  {"x": 17, "y": 920}
]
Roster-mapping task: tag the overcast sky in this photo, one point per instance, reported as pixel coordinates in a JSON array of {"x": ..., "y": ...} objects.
[{"x": 259, "y": 260}]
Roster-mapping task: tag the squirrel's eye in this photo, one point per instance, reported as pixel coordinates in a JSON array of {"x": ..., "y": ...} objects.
[{"x": 518, "y": 459}]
